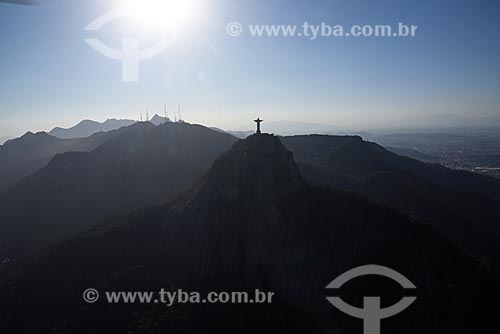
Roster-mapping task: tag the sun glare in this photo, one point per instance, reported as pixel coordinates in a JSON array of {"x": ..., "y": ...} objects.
[{"x": 164, "y": 15}]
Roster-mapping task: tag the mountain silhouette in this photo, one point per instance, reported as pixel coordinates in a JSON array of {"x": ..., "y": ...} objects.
[
  {"x": 412, "y": 153},
  {"x": 4, "y": 139},
  {"x": 250, "y": 222},
  {"x": 23, "y": 156},
  {"x": 462, "y": 205},
  {"x": 142, "y": 165},
  {"x": 159, "y": 120},
  {"x": 87, "y": 128},
  {"x": 459, "y": 204}
]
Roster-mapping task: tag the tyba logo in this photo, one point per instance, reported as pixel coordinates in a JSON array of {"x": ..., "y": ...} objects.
[
  {"x": 371, "y": 313},
  {"x": 130, "y": 55}
]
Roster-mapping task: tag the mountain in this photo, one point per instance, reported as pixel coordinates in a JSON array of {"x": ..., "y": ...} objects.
[
  {"x": 433, "y": 142},
  {"x": 241, "y": 134},
  {"x": 473, "y": 149},
  {"x": 250, "y": 222},
  {"x": 4, "y": 139},
  {"x": 158, "y": 120},
  {"x": 462, "y": 205},
  {"x": 411, "y": 153},
  {"x": 142, "y": 165},
  {"x": 23, "y": 156},
  {"x": 87, "y": 128},
  {"x": 436, "y": 121}
]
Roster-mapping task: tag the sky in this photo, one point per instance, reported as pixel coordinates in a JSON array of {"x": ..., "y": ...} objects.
[{"x": 49, "y": 75}]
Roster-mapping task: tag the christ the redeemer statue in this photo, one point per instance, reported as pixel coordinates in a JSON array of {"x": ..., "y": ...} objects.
[{"x": 258, "y": 121}]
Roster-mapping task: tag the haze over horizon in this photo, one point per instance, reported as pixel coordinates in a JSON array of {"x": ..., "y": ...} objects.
[{"x": 450, "y": 67}]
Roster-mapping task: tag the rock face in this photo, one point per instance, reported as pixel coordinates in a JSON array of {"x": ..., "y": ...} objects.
[
  {"x": 259, "y": 166},
  {"x": 250, "y": 222}
]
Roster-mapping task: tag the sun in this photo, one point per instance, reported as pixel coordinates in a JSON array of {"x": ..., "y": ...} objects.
[{"x": 163, "y": 15}]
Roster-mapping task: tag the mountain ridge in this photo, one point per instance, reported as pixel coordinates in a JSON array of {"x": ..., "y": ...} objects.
[
  {"x": 24, "y": 155},
  {"x": 87, "y": 127},
  {"x": 462, "y": 205},
  {"x": 142, "y": 165},
  {"x": 228, "y": 233}
]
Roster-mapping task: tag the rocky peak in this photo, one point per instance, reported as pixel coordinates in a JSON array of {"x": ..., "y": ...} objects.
[{"x": 258, "y": 167}]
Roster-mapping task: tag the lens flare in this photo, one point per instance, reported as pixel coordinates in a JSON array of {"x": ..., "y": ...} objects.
[{"x": 164, "y": 15}]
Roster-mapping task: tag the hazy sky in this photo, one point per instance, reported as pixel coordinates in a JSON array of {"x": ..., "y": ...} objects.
[{"x": 50, "y": 76}]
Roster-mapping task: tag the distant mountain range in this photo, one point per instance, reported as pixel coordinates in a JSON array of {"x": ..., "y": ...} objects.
[
  {"x": 87, "y": 128},
  {"x": 141, "y": 165},
  {"x": 251, "y": 222},
  {"x": 22, "y": 156},
  {"x": 427, "y": 124},
  {"x": 443, "y": 121}
]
